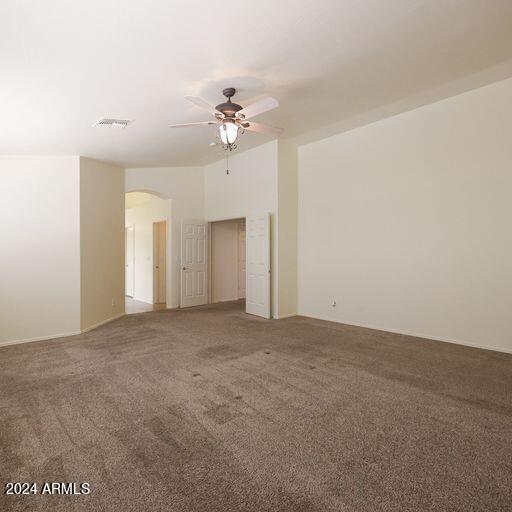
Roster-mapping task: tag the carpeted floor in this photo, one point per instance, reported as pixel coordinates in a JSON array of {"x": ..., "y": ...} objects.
[{"x": 210, "y": 409}]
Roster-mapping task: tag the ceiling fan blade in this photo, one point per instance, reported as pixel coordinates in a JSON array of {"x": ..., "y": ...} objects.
[
  {"x": 202, "y": 104},
  {"x": 257, "y": 108},
  {"x": 184, "y": 125},
  {"x": 263, "y": 128}
]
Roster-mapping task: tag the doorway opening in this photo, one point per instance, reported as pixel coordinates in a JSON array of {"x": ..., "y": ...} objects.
[
  {"x": 146, "y": 252},
  {"x": 228, "y": 261}
]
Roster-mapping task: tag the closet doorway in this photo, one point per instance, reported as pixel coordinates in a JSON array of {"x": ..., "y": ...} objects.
[{"x": 227, "y": 260}]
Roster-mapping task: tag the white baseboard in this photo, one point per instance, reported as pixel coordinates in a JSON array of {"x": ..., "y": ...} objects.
[
  {"x": 61, "y": 335},
  {"x": 39, "y": 338},
  {"x": 103, "y": 322},
  {"x": 423, "y": 337},
  {"x": 280, "y": 317}
]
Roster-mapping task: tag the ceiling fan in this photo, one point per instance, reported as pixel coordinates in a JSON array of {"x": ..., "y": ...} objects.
[{"x": 232, "y": 118}]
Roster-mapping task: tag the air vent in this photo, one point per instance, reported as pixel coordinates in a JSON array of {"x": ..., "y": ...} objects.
[{"x": 120, "y": 123}]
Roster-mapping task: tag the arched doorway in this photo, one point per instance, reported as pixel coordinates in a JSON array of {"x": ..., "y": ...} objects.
[{"x": 147, "y": 242}]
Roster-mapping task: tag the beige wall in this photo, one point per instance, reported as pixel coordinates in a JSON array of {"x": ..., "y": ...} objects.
[
  {"x": 287, "y": 228},
  {"x": 101, "y": 242},
  {"x": 224, "y": 260},
  {"x": 39, "y": 247},
  {"x": 250, "y": 187},
  {"x": 406, "y": 222}
]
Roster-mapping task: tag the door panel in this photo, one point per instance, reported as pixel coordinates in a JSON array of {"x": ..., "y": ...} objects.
[
  {"x": 194, "y": 260},
  {"x": 241, "y": 260},
  {"x": 258, "y": 265}
]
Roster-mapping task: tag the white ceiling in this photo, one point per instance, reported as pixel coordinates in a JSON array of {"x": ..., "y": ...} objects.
[{"x": 63, "y": 65}]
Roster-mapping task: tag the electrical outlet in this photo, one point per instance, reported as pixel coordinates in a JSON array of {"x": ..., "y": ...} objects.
[
  {"x": 113, "y": 302},
  {"x": 333, "y": 303}
]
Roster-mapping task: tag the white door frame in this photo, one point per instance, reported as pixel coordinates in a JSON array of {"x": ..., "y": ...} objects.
[
  {"x": 210, "y": 222},
  {"x": 126, "y": 228},
  {"x": 239, "y": 217}
]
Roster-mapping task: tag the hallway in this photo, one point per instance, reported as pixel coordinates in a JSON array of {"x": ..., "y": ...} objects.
[{"x": 137, "y": 306}]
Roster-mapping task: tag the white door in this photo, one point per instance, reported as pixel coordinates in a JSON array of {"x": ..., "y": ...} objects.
[
  {"x": 194, "y": 263},
  {"x": 257, "y": 300},
  {"x": 241, "y": 261},
  {"x": 129, "y": 247}
]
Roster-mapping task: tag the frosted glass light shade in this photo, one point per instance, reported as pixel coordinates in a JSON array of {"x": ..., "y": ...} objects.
[{"x": 228, "y": 132}]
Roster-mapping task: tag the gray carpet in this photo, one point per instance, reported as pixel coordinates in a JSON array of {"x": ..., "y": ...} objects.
[{"x": 210, "y": 410}]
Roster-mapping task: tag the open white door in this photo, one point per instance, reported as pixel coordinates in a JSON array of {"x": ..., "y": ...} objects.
[
  {"x": 241, "y": 260},
  {"x": 257, "y": 301},
  {"x": 129, "y": 246},
  {"x": 194, "y": 263}
]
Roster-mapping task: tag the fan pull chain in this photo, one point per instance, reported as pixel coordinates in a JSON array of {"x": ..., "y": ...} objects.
[{"x": 227, "y": 162}]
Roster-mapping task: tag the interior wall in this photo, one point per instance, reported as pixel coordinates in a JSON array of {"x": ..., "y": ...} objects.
[
  {"x": 224, "y": 260},
  {"x": 143, "y": 217},
  {"x": 39, "y": 247},
  {"x": 250, "y": 188},
  {"x": 101, "y": 242},
  {"x": 287, "y": 184},
  {"x": 184, "y": 186},
  {"x": 406, "y": 222}
]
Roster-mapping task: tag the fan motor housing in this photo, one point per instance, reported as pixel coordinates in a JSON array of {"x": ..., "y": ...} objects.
[{"x": 228, "y": 108}]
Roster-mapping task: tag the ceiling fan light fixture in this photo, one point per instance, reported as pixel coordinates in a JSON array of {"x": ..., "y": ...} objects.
[
  {"x": 228, "y": 132},
  {"x": 233, "y": 119}
]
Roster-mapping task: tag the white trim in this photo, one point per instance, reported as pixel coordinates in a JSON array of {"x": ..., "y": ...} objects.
[
  {"x": 281, "y": 317},
  {"x": 422, "y": 337},
  {"x": 41, "y": 338},
  {"x": 132, "y": 226},
  {"x": 236, "y": 299},
  {"x": 63, "y": 335},
  {"x": 222, "y": 219},
  {"x": 103, "y": 322}
]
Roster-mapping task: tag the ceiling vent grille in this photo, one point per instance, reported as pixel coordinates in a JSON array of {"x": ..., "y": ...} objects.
[{"x": 106, "y": 121}]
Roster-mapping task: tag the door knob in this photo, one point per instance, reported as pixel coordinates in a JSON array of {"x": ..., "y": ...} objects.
[{"x": 184, "y": 268}]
